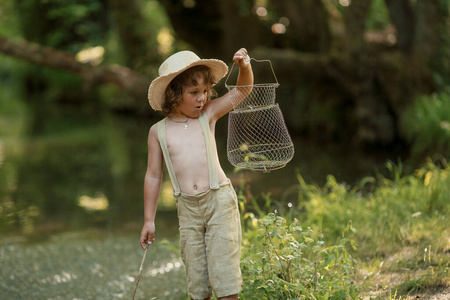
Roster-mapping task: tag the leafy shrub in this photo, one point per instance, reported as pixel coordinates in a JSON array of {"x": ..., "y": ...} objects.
[
  {"x": 426, "y": 124},
  {"x": 283, "y": 261}
]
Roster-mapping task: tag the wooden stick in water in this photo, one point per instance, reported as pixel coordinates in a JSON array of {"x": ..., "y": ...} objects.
[{"x": 140, "y": 269}]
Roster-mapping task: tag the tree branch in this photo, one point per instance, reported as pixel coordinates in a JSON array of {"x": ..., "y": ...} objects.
[{"x": 123, "y": 77}]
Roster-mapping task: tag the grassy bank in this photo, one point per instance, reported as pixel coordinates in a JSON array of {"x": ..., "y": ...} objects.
[{"x": 389, "y": 237}]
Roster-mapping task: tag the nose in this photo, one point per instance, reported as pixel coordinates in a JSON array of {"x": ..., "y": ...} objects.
[{"x": 201, "y": 97}]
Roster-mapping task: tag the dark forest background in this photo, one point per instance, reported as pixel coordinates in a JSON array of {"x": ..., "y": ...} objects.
[{"x": 350, "y": 71}]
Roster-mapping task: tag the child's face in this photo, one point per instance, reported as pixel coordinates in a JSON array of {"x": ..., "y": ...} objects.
[{"x": 194, "y": 99}]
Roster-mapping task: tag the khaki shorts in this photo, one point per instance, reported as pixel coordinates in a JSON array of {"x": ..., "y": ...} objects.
[{"x": 210, "y": 242}]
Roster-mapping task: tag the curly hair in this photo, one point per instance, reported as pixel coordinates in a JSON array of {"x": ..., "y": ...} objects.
[{"x": 174, "y": 91}]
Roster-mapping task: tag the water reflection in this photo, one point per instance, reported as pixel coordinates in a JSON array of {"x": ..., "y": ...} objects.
[
  {"x": 174, "y": 265},
  {"x": 88, "y": 266},
  {"x": 93, "y": 203},
  {"x": 2, "y": 154}
]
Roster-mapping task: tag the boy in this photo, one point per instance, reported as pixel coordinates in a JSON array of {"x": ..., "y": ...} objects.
[{"x": 210, "y": 232}]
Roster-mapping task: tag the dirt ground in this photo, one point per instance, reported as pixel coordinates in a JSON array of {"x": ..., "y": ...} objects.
[
  {"x": 443, "y": 294},
  {"x": 440, "y": 294}
]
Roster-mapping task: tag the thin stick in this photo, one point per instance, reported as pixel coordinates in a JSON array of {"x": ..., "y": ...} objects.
[{"x": 140, "y": 270}]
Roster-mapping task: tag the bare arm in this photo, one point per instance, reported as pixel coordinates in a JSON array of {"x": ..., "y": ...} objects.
[
  {"x": 152, "y": 186},
  {"x": 220, "y": 106}
]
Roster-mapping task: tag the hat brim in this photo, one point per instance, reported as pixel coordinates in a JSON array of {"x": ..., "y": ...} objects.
[{"x": 158, "y": 87}]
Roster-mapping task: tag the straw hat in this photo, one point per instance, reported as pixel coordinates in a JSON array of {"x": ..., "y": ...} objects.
[{"x": 176, "y": 64}]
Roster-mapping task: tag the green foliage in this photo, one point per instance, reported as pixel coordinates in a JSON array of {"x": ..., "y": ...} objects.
[
  {"x": 401, "y": 219},
  {"x": 378, "y": 17},
  {"x": 64, "y": 24},
  {"x": 386, "y": 210},
  {"x": 81, "y": 18},
  {"x": 8, "y": 19},
  {"x": 426, "y": 125},
  {"x": 283, "y": 261}
]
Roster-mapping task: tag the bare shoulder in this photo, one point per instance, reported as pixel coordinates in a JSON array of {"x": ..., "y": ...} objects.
[
  {"x": 153, "y": 135},
  {"x": 154, "y": 150},
  {"x": 153, "y": 130}
]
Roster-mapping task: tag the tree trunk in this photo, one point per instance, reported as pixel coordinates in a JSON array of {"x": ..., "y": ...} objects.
[
  {"x": 355, "y": 18},
  {"x": 402, "y": 16},
  {"x": 133, "y": 36},
  {"x": 374, "y": 120},
  {"x": 433, "y": 38},
  {"x": 427, "y": 35},
  {"x": 240, "y": 27},
  {"x": 308, "y": 29},
  {"x": 197, "y": 24}
]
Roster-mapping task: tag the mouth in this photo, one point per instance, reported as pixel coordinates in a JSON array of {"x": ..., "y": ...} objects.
[{"x": 199, "y": 107}]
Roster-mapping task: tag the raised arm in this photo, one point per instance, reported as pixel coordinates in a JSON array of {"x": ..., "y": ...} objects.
[
  {"x": 220, "y": 106},
  {"x": 152, "y": 187}
]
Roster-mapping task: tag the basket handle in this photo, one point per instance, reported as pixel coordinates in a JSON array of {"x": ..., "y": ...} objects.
[{"x": 258, "y": 61}]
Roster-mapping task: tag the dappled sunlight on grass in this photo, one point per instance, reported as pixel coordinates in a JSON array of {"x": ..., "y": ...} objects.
[{"x": 2, "y": 153}]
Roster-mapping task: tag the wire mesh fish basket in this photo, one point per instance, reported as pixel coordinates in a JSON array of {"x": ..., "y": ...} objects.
[{"x": 258, "y": 138}]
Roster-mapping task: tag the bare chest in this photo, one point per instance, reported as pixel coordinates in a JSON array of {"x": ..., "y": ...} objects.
[{"x": 186, "y": 146}]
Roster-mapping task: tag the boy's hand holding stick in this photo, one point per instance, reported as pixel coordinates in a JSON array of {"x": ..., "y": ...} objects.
[{"x": 140, "y": 269}]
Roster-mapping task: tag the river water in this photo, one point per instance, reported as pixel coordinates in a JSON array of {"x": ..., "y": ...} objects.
[{"x": 71, "y": 203}]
